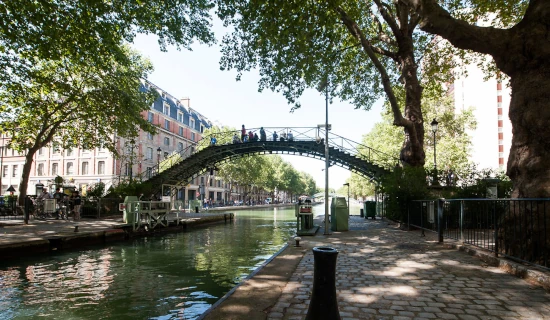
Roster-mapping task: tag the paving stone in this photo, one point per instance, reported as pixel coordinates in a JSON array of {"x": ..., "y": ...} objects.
[{"x": 387, "y": 273}]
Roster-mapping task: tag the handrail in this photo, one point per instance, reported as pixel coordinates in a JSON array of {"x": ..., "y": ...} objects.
[{"x": 335, "y": 141}]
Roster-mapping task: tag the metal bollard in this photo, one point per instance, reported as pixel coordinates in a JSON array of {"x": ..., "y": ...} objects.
[
  {"x": 323, "y": 304},
  {"x": 196, "y": 209},
  {"x": 361, "y": 213}
]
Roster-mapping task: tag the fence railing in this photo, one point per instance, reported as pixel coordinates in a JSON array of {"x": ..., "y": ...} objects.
[{"x": 515, "y": 228}]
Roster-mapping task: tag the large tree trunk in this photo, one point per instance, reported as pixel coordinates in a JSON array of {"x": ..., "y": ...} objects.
[
  {"x": 529, "y": 160},
  {"x": 412, "y": 151},
  {"x": 25, "y": 175}
]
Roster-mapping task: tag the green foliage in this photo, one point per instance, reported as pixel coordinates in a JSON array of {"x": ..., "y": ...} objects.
[
  {"x": 402, "y": 186},
  {"x": 299, "y": 45},
  {"x": 96, "y": 190},
  {"x": 475, "y": 183},
  {"x": 87, "y": 31},
  {"x": 74, "y": 106}
]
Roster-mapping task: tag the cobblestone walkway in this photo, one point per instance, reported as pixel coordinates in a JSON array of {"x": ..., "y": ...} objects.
[{"x": 386, "y": 273}]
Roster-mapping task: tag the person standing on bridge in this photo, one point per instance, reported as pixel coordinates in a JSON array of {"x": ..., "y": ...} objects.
[
  {"x": 243, "y": 133},
  {"x": 275, "y": 136},
  {"x": 236, "y": 138},
  {"x": 250, "y": 136},
  {"x": 290, "y": 136},
  {"x": 256, "y": 138},
  {"x": 262, "y": 134}
]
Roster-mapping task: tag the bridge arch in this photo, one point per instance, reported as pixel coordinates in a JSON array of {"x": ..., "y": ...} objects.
[{"x": 180, "y": 167}]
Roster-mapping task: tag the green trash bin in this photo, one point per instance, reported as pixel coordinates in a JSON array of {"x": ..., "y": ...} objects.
[
  {"x": 339, "y": 214},
  {"x": 129, "y": 213},
  {"x": 370, "y": 209}
]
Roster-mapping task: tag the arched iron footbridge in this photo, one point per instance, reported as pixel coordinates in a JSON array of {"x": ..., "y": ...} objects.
[{"x": 178, "y": 168}]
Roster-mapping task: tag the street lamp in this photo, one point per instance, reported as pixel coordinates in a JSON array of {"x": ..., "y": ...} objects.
[
  {"x": 434, "y": 130},
  {"x": 324, "y": 86},
  {"x": 159, "y": 150},
  {"x": 347, "y": 185}
]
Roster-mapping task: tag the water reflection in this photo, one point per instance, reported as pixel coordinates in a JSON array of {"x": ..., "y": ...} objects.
[{"x": 173, "y": 276}]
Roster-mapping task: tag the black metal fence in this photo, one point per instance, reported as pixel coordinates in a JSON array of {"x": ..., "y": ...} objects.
[{"x": 515, "y": 228}]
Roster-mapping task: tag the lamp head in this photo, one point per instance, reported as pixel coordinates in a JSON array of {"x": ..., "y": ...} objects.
[{"x": 434, "y": 125}]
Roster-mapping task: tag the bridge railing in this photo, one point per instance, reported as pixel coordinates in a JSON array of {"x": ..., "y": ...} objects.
[{"x": 298, "y": 133}]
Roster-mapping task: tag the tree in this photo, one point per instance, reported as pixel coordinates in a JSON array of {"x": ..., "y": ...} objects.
[
  {"x": 453, "y": 141},
  {"x": 356, "y": 50},
  {"x": 74, "y": 106},
  {"x": 86, "y": 31},
  {"x": 515, "y": 37}
]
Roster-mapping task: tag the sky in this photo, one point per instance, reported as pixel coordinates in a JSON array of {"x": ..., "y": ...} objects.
[{"x": 218, "y": 96}]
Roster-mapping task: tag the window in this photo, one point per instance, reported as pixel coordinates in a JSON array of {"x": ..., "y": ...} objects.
[
  {"x": 40, "y": 151},
  {"x": 166, "y": 124},
  {"x": 55, "y": 169},
  {"x": 192, "y": 136},
  {"x": 166, "y": 109},
  {"x": 166, "y": 141},
  {"x": 101, "y": 167},
  {"x": 149, "y": 136},
  {"x": 149, "y": 154},
  {"x": 219, "y": 183},
  {"x": 211, "y": 182},
  {"x": 84, "y": 168},
  {"x": 70, "y": 168},
  {"x": 180, "y": 146},
  {"x": 202, "y": 180},
  {"x": 192, "y": 149},
  {"x": 202, "y": 128},
  {"x": 150, "y": 116},
  {"x": 180, "y": 116},
  {"x": 192, "y": 123},
  {"x": 5, "y": 172},
  {"x": 149, "y": 172},
  {"x": 56, "y": 148},
  {"x": 14, "y": 171},
  {"x": 180, "y": 132},
  {"x": 40, "y": 169}
]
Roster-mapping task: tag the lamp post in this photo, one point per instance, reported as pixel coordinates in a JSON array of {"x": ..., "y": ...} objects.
[
  {"x": 347, "y": 185},
  {"x": 324, "y": 86},
  {"x": 434, "y": 125},
  {"x": 159, "y": 150}
]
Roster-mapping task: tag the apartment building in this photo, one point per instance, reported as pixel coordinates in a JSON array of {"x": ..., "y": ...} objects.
[{"x": 492, "y": 139}]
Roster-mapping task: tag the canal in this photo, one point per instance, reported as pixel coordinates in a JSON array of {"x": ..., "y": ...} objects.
[{"x": 173, "y": 276}]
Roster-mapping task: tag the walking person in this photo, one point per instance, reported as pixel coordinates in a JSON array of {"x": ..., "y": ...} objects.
[
  {"x": 77, "y": 201},
  {"x": 243, "y": 133},
  {"x": 58, "y": 196}
]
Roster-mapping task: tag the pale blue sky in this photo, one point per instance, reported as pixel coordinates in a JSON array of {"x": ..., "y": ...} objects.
[{"x": 218, "y": 96}]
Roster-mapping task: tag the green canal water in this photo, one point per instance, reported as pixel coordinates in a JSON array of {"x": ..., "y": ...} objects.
[{"x": 173, "y": 276}]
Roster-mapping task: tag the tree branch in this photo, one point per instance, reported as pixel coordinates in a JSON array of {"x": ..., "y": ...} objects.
[
  {"x": 387, "y": 17},
  {"x": 354, "y": 29},
  {"x": 459, "y": 33}
]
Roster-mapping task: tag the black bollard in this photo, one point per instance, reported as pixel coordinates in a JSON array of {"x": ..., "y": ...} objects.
[
  {"x": 362, "y": 213},
  {"x": 196, "y": 209},
  {"x": 323, "y": 304}
]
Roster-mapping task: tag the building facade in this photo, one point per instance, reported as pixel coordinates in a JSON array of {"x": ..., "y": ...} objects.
[{"x": 492, "y": 139}]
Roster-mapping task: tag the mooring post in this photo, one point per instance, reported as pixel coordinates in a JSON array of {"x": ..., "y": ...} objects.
[{"x": 323, "y": 304}]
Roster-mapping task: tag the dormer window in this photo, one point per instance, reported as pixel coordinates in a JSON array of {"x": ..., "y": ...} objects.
[
  {"x": 166, "y": 109},
  {"x": 192, "y": 123}
]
